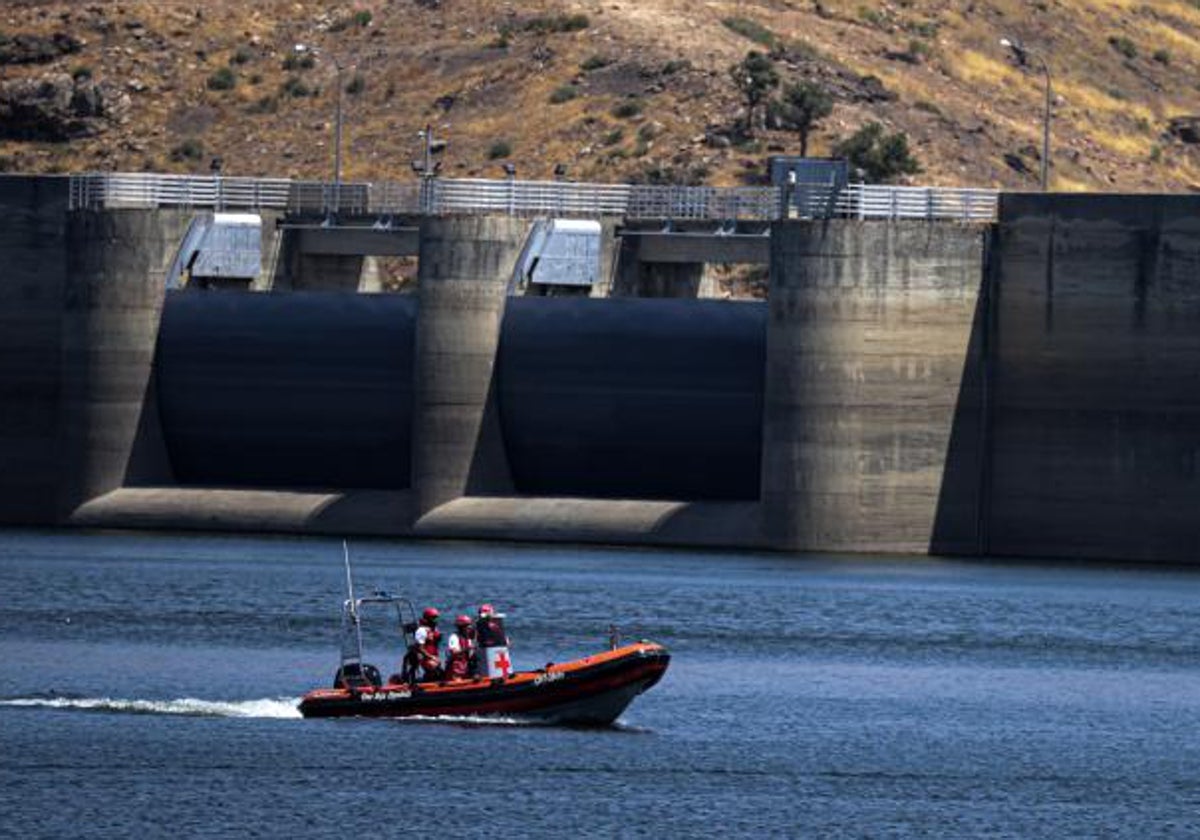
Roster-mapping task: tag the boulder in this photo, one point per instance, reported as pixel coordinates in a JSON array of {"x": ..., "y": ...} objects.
[
  {"x": 36, "y": 49},
  {"x": 57, "y": 108},
  {"x": 1185, "y": 129}
]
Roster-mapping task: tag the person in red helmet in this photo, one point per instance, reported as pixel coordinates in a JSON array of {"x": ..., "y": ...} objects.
[
  {"x": 424, "y": 652},
  {"x": 492, "y": 643},
  {"x": 460, "y": 650},
  {"x": 487, "y": 626}
]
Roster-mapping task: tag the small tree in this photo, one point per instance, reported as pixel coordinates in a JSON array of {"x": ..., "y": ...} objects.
[
  {"x": 804, "y": 106},
  {"x": 755, "y": 77},
  {"x": 880, "y": 156}
]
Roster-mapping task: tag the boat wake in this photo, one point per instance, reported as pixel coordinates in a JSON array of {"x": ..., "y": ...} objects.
[
  {"x": 487, "y": 720},
  {"x": 280, "y": 707}
]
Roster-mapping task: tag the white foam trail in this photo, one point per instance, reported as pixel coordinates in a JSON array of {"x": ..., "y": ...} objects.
[
  {"x": 467, "y": 720},
  {"x": 280, "y": 707}
]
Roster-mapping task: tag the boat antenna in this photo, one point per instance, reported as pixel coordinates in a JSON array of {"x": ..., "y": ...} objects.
[
  {"x": 352, "y": 608},
  {"x": 349, "y": 578}
]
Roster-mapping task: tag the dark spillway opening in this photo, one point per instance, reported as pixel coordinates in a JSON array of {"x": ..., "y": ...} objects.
[
  {"x": 302, "y": 390},
  {"x": 633, "y": 398}
]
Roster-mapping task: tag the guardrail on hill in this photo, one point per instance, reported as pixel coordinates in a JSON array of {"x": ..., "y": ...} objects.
[{"x": 532, "y": 198}]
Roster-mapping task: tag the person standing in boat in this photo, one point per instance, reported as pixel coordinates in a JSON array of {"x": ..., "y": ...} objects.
[
  {"x": 460, "y": 650},
  {"x": 492, "y": 643},
  {"x": 425, "y": 651}
]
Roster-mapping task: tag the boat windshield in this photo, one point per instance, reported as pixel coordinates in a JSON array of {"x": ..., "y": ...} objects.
[{"x": 355, "y": 612}]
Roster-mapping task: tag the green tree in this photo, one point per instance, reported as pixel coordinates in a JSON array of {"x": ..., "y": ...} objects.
[
  {"x": 755, "y": 77},
  {"x": 880, "y": 156},
  {"x": 804, "y": 106}
]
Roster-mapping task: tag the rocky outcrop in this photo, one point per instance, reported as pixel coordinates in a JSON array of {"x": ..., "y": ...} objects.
[
  {"x": 1185, "y": 129},
  {"x": 57, "y": 108},
  {"x": 36, "y": 49}
]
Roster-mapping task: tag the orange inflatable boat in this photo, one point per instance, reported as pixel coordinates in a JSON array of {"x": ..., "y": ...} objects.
[{"x": 592, "y": 691}]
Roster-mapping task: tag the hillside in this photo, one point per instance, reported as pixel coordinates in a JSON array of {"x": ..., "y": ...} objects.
[{"x": 615, "y": 90}]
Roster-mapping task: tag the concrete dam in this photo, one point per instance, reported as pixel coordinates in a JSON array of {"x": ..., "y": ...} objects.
[{"x": 1026, "y": 388}]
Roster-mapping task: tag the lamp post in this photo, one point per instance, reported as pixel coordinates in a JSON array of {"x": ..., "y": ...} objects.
[
  {"x": 337, "y": 143},
  {"x": 1023, "y": 55}
]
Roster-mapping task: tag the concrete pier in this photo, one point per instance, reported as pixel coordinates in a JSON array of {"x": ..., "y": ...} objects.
[
  {"x": 465, "y": 268},
  {"x": 869, "y": 334},
  {"x": 114, "y": 293}
]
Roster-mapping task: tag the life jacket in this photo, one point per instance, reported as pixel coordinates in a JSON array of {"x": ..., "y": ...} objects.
[
  {"x": 489, "y": 632},
  {"x": 433, "y": 638},
  {"x": 458, "y": 662}
]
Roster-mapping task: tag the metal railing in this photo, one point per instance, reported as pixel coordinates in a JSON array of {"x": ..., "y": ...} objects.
[
  {"x": 146, "y": 190},
  {"x": 863, "y": 201},
  {"x": 438, "y": 196}
]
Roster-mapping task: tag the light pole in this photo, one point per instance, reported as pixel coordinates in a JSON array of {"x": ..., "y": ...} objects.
[
  {"x": 337, "y": 143},
  {"x": 1024, "y": 54}
]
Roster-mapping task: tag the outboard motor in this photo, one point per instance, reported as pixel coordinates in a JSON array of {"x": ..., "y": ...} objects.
[{"x": 492, "y": 644}]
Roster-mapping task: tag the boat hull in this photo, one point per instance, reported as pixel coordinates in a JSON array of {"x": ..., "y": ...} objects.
[{"x": 592, "y": 691}]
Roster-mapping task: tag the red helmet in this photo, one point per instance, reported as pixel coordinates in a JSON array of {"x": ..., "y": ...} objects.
[
  {"x": 462, "y": 621},
  {"x": 430, "y": 614},
  {"x": 486, "y": 610}
]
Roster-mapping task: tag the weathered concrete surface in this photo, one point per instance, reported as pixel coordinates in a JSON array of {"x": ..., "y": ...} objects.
[
  {"x": 116, "y": 266},
  {"x": 33, "y": 271},
  {"x": 349, "y": 241},
  {"x": 466, "y": 264},
  {"x": 1096, "y": 424},
  {"x": 868, "y": 337},
  {"x": 670, "y": 264},
  {"x": 636, "y": 522},
  {"x": 687, "y": 247},
  {"x": 359, "y": 512}
]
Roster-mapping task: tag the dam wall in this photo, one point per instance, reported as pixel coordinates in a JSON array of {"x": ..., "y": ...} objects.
[
  {"x": 1024, "y": 389},
  {"x": 33, "y": 277},
  {"x": 1095, "y": 380}
]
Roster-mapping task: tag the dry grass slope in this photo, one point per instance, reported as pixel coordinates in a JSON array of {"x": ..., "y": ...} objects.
[{"x": 621, "y": 89}]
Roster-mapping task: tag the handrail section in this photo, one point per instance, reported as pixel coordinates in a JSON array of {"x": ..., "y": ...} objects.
[{"x": 438, "y": 196}]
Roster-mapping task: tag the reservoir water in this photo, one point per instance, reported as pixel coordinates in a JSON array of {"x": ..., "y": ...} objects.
[{"x": 148, "y": 686}]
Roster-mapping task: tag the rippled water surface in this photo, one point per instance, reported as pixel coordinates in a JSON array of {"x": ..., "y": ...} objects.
[{"x": 148, "y": 685}]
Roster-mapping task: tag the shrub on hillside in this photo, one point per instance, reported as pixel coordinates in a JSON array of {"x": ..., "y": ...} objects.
[
  {"x": 1123, "y": 45},
  {"x": 879, "y": 156},
  {"x": 627, "y": 109},
  {"x": 223, "y": 79},
  {"x": 500, "y": 149},
  {"x": 752, "y": 30},
  {"x": 564, "y": 93},
  {"x": 595, "y": 62},
  {"x": 295, "y": 87},
  {"x": 190, "y": 149},
  {"x": 299, "y": 62},
  {"x": 547, "y": 24}
]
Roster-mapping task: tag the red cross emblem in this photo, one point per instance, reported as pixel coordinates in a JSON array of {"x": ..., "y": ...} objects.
[{"x": 502, "y": 663}]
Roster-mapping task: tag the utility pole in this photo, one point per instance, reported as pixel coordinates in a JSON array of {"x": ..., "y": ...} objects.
[
  {"x": 428, "y": 170},
  {"x": 337, "y": 144},
  {"x": 1024, "y": 54}
]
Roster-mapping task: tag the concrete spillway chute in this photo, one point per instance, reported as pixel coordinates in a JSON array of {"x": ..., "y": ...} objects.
[
  {"x": 218, "y": 249},
  {"x": 561, "y": 252}
]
